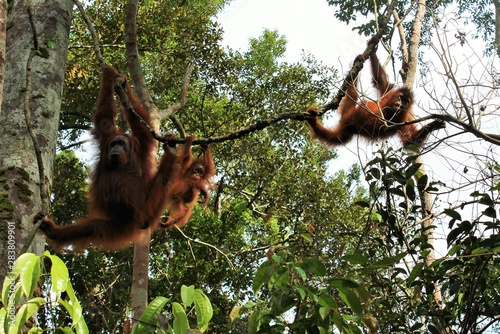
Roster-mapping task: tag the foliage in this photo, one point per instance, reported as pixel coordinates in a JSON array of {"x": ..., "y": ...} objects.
[
  {"x": 296, "y": 295},
  {"x": 23, "y": 283},
  {"x": 480, "y": 13},
  {"x": 468, "y": 271},
  {"x": 385, "y": 284},
  {"x": 151, "y": 318}
]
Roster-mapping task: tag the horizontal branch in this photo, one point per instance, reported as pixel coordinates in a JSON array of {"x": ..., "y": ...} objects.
[{"x": 298, "y": 116}]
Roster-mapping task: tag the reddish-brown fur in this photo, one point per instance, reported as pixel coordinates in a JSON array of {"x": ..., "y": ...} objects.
[
  {"x": 371, "y": 119},
  {"x": 128, "y": 192},
  {"x": 190, "y": 179}
]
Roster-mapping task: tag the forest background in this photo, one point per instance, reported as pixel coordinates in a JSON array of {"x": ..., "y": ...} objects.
[{"x": 297, "y": 238}]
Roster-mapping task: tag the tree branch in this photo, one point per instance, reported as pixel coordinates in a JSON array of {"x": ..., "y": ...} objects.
[
  {"x": 134, "y": 63},
  {"x": 176, "y": 106},
  {"x": 95, "y": 39}
]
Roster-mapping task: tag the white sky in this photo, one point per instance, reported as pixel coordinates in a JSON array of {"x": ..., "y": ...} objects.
[{"x": 307, "y": 24}]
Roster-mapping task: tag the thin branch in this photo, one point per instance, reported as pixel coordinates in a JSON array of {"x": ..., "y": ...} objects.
[
  {"x": 174, "y": 107},
  {"x": 209, "y": 245},
  {"x": 489, "y": 137},
  {"x": 95, "y": 39},
  {"x": 299, "y": 116},
  {"x": 81, "y": 142},
  {"x": 178, "y": 125},
  {"x": 404, "y": 50},
  {"x": 447, "y": 67},
  {"x": 74, "y": 126}
]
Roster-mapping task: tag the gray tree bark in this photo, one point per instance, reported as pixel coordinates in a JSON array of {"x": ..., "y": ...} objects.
[
  {"x": 3, "y": 32},
  {"x": 36, "y": 50}
]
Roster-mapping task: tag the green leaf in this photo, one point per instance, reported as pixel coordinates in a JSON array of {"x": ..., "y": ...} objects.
[
  {"x": 303, "y": 291},
  {"x": 355, "y": 259},
  {"x": 254, "y": 322},
  {"x": 375, "y": 172},
  {"x": 235, "y": 313},
  {"x": 410, "y": 192},
  {"x": 282, "y": 279},
  {"x": 301, "y": 272},
  {"x": 327, "y": 301},
  {"x": 24, "y": 312},
  {"x": 343, "y": 283},
  {"x": 262, "y": 275},
  {"x": 389, "y": 261},
  {"x": 307, "y": 237},
  {"x": 28, "y": 267},
  {"x": 59, "y": 273},
  {"x": 323, "y": 312},
  {"x": 314, "y": 266},
  {"x": 415, "y": 272},
  {"x": 412, "y": 170},
  {"x": 479, "y": 250},
  {"x": 9, "y": 280},
  {"x": 422, "y": 182},
  {"x": 490, "y": 212},
  {"x": 74, "y": 309},
  {"x": 203, "y": 308},
  {"x": 181, "y": 324},
  {"x": 351, "y": 299},
  {"x": 187, "y": 295},
  {"x": 453, "y": 214},
  {"x": 148, "y": 320}
]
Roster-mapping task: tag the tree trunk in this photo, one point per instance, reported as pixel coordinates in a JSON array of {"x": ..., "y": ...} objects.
[
  {"x": 3, "y": 32},
  {"x": 140, "y": 279},
  {"x": 36, "y": 50},
  {"x": 426, "y": 199}
]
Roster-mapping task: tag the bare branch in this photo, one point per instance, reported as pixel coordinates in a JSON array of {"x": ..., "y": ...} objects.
[
  {"x": 167, "y": 113},
  {"x": 95, "y": 39},
  {"x": 134, "y": 63}
]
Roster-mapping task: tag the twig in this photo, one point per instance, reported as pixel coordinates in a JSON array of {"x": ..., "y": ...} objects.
[
  {"x": 208, "y": 245},
  {"x": 95, "y": 39},
  {"x": 174, "y": 107}
]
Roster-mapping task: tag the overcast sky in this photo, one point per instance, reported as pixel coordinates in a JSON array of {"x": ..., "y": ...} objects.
[{"x": 307, "y": 25}]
